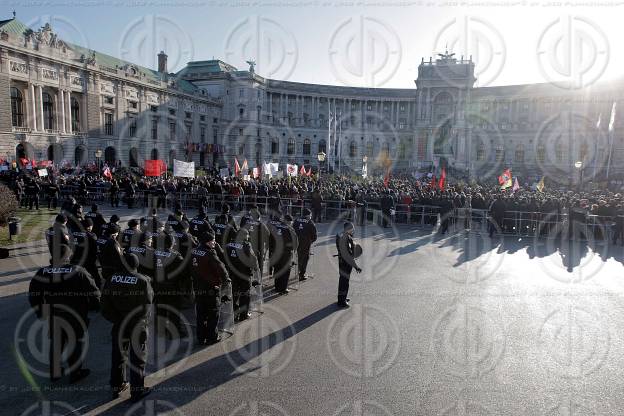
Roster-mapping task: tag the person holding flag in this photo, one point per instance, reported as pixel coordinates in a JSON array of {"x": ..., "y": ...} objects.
[{"x": 505, "y": 179}]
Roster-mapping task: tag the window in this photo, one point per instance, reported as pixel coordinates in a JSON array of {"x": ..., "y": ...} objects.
[
  {"x": 385, "y": 150},
  {"x": 241, "y": 93},
  {"x": 352, "y": 149},
  {"x": 369, "y": 149},
  {"x": 480, "y": 151},
  {"x": 154, "y": 108},
  {"x": 322, "y": 146},
  {"x": 402, "y": 107},
  {"x": 402, "y": 123},
  {"x": 291, "y": 146},
  {"x": 17, "y": 108},
  {"x": 108, "y": 124},
  {"x": 274, "y": 146},
  {"x": 215, "y": 120},
  {"x": 541, "y": 153},
  {"x": 241, "y": 112},
  {"x": 307, "y": 146},
  {"x": 172, "y": 131},
  {"x": 369, "y": 106},
  {"x": 402, "y": 150},
  {"x": 155, "y": 128},
  {"x": 48, "y": 111},
  {"x": 132, "y": 128},
  {"x": 187, "y": 114},
  {"x": 172, "y": 112},
  {"x": 188, "y": 127},
  {"x": 133, "y": 105},
  {"x": 519, "y": 156},
  {"x": 75, "y": 115},
  {"x": 202, "y": 134},
  {"x": 109, "y": 100},
  {"x": 559, "y": 152},
  {"x": 241, "y": 149},
  {"x": 202, "y": 118}
]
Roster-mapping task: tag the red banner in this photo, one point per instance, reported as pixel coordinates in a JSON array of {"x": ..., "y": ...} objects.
[{"x": 155, "y": 167}]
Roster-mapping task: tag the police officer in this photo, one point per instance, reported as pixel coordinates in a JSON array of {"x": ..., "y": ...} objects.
[
  {"x": 241, "y": 263},
  {"x": 110, "y": 252},
  {"x": 57, "y": 234},
  {"x": 126, "y": 300},
  {"x": 32, "y": 192},
  {"x": 209, "y": 277},
  {"x": 282, "y": 244},
  {"x": 64, "y": 294},
  {"x": 346, "y": 262},
  {"x": 97, "y": 218},
  {"x": 259, "y": 235},
  {"x": 306, "y": 235},
  {"x": 224, "y": 226},
  {"x": 130, "y": 234},
  {"x": 86, "y": 250},
  {"x": 200, "y": 224},
  {"x": 184, "y": 244},
  {"x": 53, "y": 195},
  {"x": 113, "y": 220},
  {"x": 168, "y": 272}
]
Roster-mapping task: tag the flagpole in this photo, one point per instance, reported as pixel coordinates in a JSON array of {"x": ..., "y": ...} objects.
[
  {"x": 335, "y": 139},
  {"x": 329, "y": 138},
  {"x": 339, "y": 146},
  {"x": 610, "y": 151},
  {"x": 596, "y": 144}
]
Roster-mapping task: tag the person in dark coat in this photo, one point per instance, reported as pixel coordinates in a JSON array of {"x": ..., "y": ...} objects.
[
  {"x": 242, "y": 265},
  {"x": 126, "y": 300},
  {"x": 63, "y": 294},
  {"x": 209, "y": 277},
  {"x": 346, "y": 262},
  {"x": 86, "y": 251},
  {"x": 97, "y": 218},
  {"x": 281, "y": 247},
  {"x": 306, "y": 235}
]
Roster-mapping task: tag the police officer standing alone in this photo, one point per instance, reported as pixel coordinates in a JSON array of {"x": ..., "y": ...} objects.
[
  {"x": 126, "y": 300},
  {"x": 306, "y": 235},
  {"x": 346, "y": 262},
  {"x": 64, "y": 294},
  {"x": 209, "y": 277}
]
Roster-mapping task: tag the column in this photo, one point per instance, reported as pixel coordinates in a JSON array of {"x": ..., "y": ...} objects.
[
  {"x": 40, "y": 93},
  {"x": 70, "y": 128},
  {"x": 270, "y": 105},
  {"x": 33, "y": 107},
  {"x": 61, "y": 100}
]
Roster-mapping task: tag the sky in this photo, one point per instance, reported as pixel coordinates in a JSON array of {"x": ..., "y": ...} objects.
[{"x": 354, "y": 43}]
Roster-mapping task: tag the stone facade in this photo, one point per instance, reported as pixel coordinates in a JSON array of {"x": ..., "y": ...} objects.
[{"x": 72, "y": 102}]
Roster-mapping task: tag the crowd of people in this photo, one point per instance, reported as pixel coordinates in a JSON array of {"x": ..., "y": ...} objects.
[{"x": 174, "y": 264}]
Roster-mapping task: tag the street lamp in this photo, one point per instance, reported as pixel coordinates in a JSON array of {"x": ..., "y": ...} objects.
[
  {"x": 98, "y": 156},
  {"x": 321, "y": 158}
]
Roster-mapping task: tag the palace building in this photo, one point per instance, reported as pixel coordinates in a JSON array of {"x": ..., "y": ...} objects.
[{"x": 65, "y": 103}]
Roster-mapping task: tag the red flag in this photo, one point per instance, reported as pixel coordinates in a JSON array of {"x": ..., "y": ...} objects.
[
  {"x": 442, "y": 179},
  {"x": 23, "y": 161},
  {"x": 309, "y": 171},
  {"x": 237, "y": 169},
  {"x": 302, "y": 171},
  {"x": 506, "y": 176},
  {"x": 107, "y": 173},
  {"x": 434, "y": 183},
  {"x": 154, "y": 167},
  {"x": 387, "y": 178},
  {"x": 245, "y": 167}
]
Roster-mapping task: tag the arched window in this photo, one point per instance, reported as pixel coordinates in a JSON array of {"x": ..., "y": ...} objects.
[
  {"x": 541, "y": 153},
  {"x": 48, "y": 111},
  {"x": 291, "y": 146},
  {"x": 307, "y": 146},
  {"x": 385, "y": 149},
  {"x": 80, "y": 156},
  {"x": 75, "y": 115},
  {"x": 154, "y": 155},
  {"x": 559, "y": 152},
  {"x": 322, "y": 146},
  {"x": 480, "y": 151},
  {"x": 17, "y": 108},
  {"x": 55, "y": 153},
  {"x": 402, "y": 152},
  {"x": 110, "y": 156},
  {"x": 352, "y": 149},
  {"x": 370, "y": 147},
  {"x": 519, "y": 156},
  {"x": 274, "y": 147},
  {"x": 133, "y": 157},
  {"x": 499, "y": 153}
]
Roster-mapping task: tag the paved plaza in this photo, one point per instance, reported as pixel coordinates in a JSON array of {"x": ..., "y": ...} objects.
[{"x": 439, "y": 325}]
